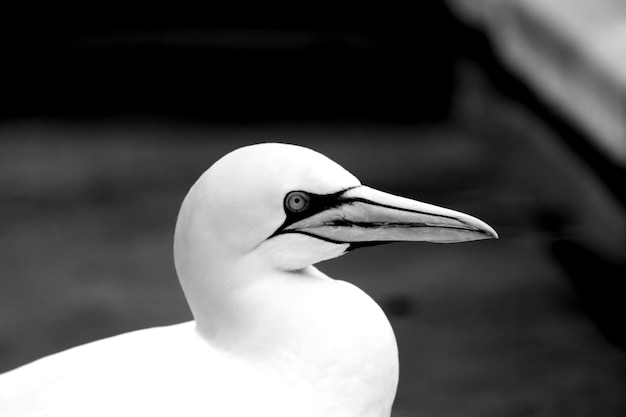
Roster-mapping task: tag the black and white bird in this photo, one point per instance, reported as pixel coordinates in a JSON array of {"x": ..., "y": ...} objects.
[{"x": 272, "y": 335}]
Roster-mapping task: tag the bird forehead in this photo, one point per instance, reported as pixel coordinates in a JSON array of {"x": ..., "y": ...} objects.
[{"x": 282, "y": 168}]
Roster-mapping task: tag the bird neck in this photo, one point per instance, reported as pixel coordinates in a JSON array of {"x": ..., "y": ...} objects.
[{"x": 309, "y": 329}]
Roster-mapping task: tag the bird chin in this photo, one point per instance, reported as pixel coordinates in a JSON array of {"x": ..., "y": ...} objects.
[{"x": 295, "y": 251}]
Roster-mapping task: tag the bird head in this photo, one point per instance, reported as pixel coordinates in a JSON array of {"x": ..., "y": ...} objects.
[{"x": 288, "y": 207}]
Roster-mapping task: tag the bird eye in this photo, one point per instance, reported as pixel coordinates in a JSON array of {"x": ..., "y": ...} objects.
[{"x": 297, "y": 201}]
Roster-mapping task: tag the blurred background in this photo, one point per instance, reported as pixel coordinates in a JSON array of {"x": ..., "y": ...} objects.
[{"x": 512, "y": 111}]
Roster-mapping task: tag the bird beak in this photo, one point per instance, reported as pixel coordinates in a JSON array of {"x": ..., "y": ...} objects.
[{"x": 365, "y": 216}]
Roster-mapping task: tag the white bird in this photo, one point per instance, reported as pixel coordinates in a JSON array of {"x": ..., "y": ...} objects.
[{"x": 272, "y": 335}]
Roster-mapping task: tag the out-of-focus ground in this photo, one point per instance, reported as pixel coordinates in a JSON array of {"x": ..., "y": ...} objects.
[{"x": 484, "y": 328}]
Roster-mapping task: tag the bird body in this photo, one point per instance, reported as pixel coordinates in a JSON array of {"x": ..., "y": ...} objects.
[
  {"x": 272, "y": 335},
  {"x": 337, "y": 353}
]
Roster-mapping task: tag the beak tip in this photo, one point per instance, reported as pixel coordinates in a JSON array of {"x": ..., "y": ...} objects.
[{"x": 490, "y": 233}]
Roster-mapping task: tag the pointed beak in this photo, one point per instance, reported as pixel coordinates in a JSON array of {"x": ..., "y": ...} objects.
[{"x": 365, "y": 216}]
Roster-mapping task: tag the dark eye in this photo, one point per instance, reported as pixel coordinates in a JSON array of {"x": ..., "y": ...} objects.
[{"x": 297, "y": 201}]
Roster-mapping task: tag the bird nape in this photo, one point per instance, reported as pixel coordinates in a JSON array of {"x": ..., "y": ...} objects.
[{"x": 271, "y": 335}]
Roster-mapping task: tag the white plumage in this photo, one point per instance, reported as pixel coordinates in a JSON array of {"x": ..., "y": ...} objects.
[{"x": 272, "y": 335}]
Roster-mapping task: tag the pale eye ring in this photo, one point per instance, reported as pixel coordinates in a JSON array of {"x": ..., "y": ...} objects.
[{"x": 297, "y": 201}]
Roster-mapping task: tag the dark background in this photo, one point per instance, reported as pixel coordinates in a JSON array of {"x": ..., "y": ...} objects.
[
  {"x": 324, "y": 64},
  {"x": 107, "y": 119}
]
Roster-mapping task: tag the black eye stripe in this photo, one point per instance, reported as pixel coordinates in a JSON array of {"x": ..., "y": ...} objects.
[{"x": 316, "y": 204}]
